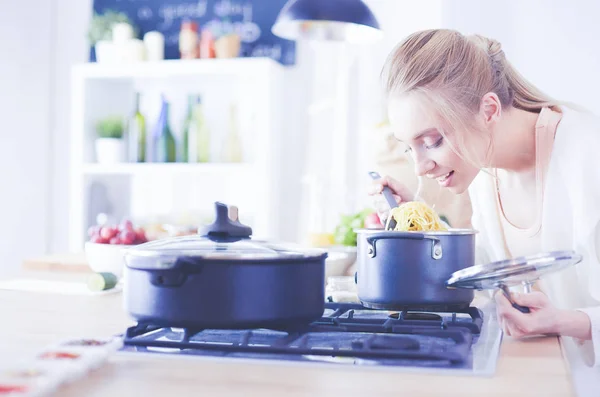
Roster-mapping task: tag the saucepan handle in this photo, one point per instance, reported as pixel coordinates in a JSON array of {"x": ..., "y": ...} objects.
[
  {"x": 436, "y": 246},
  {"x": 506, "y": 292}
]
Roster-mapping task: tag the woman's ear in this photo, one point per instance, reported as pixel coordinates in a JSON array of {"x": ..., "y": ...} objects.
[{"x": 490, "y": 108}]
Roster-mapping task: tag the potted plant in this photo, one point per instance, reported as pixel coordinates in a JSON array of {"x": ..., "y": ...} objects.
[
  {"x": 110, "y": 146},
  {"x": 100, "y": 34}
]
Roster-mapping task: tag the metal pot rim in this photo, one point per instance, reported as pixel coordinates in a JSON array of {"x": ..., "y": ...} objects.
[
  {"x": 450, "y": 232},
  {"x": 231, "y": 257}
]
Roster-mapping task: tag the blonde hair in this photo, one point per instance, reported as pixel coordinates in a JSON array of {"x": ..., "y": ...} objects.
[{"x": 453, "y": 72}]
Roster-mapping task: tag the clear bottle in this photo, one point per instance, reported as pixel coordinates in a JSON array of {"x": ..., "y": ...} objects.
[
  {"x": 136, "y": 134},
  {"x": 207, "y": 45},
  {"x": 196, "y": 134},
  {"x": 165, "y": 147},
  {"x": 232, "y": 147},
  {"x": 188, "y": 40}
]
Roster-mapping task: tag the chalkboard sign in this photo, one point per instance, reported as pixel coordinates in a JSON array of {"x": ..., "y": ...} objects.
[{"x": 251, "y": 19}]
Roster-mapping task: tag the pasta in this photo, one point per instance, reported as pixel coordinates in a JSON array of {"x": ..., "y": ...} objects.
[{"x": 415, "y": 216}]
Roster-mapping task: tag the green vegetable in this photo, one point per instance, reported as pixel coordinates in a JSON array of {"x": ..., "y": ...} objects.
[
  {"x": 102, "y": 281},
  {"x": 444, "y": 219},
  {"x": 344, "y": 233}
]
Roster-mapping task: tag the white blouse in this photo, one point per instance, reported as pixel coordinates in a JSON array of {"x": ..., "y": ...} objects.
[{"x": 569, "y": 219}]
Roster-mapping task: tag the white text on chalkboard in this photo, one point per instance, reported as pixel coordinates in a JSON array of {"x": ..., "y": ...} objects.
[{"x": 169, "y": 12}]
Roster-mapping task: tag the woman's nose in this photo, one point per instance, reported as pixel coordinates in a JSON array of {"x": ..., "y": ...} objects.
[{"x": 423, "y": 165}]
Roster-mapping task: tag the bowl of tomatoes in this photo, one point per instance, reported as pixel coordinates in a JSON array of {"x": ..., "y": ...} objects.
[{"x": 105, "y": 249}]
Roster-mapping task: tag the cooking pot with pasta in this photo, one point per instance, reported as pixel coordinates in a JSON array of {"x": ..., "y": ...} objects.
[{"x": 408, "y": 270}]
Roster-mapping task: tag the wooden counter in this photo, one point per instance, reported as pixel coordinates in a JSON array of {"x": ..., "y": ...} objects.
[{"x": 31, "y": 321}]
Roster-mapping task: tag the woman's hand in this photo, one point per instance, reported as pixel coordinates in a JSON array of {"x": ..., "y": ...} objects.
[
  {"x": 401, "y": 194},
  {"x": 543, "y": 319}
]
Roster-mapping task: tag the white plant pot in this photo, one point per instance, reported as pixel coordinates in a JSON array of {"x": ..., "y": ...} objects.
[
  {"x": 106, "y": 52},
  {"x": 110, "y": 150}
]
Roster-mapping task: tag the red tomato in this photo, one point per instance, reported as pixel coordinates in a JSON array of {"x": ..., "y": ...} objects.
[
  {"x": 7, "y": 389},
  {"x": 60, "y": 355},
  {"x": 372, "y": 221}
]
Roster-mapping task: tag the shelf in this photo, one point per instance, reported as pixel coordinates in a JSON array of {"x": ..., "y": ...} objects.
[
  {"x": 178, "y": 68},
  {"x": 153, "y": 168}
]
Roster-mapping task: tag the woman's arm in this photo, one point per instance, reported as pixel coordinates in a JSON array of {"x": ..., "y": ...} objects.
[{"x": 575, "y": 323}]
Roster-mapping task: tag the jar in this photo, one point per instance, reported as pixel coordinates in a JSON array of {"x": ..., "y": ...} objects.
[
  {"x": 155, "y": 46},
  {"x": 228, "y": 46},
  {"x": 341, "y": 289},
  {"x": 207, "y": 44},
  {"x": 188, "y": 40},
  {"x": 122, "y": 32},
  {"x": 132, "y": 51}
]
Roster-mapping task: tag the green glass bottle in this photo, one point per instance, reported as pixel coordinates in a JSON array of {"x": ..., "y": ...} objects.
[
  {"x": 136, "y": 133},
  {"x": 165, "y": 147},
  {"x": 202, "y": 140},
  {"x": 196, "y": 134},
  {"x": 188, "y": 133}
]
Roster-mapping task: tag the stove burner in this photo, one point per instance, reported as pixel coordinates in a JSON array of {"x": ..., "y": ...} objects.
[
  {"x": 345, "y": 330},
  {"x": 410, "y": 321},
  {"x": 417, "y": 316},
  {"x": 387, "y": 342}
]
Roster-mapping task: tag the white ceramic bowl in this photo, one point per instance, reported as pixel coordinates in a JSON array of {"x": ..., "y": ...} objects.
[
  {"x": 106, "y": 257},
  {"x": 339, "y": 260}
]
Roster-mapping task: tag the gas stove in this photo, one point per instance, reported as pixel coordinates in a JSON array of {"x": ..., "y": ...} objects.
[{"x": 351, "y": 335}]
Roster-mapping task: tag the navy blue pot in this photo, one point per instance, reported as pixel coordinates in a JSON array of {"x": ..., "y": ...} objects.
[
  {"x": 409, "y": 270},
  {"x": 223, "y": 279}
]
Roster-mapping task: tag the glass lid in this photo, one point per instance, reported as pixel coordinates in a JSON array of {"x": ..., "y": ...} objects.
[
  {"x": 226, "y": 238},
  {"x": 511, "y": 272}
]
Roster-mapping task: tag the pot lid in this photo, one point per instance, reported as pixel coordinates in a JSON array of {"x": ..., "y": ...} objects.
[
  {"x": 523, "y": 270},
  {"x": 224, "y": 239}
]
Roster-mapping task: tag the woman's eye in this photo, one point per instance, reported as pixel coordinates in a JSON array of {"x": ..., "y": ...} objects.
[{"x": 435, "y": 144}]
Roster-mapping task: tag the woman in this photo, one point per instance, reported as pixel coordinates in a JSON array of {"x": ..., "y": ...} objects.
[{"x": 471, "y": 122}]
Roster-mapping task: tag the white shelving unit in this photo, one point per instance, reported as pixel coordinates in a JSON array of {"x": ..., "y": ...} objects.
[{"x": 135, "y": 190}]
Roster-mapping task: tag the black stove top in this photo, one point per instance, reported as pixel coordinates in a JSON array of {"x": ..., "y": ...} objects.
[{"x": 346, "y": 331}]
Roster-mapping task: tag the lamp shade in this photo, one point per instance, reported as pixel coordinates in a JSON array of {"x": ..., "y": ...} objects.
[{"x": 331, "y": 20}]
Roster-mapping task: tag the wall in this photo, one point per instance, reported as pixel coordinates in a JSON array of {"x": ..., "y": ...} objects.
[
  {"x": 26, "y": 69},
  {"x": 71, "y": 19},
  {"x": 553, "y": 43}
]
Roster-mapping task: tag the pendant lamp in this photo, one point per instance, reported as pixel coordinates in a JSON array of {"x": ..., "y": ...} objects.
[{"x": 349, "y": 21}]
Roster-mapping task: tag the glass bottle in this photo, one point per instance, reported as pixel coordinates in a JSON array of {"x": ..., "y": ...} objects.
[
  {"x": 196, "y": 133},
  {"x": 202, "y": 149},
  {"x": 188, "y": 40},
  {"x": 232, "y": 147},
  {"x": 188, "y": 133},
  {"x": 136, "y": 134},
  {"x": 164, "y": 149}
]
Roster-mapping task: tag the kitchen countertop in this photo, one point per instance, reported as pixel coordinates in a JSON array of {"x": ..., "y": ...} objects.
[{"x": 32, "y": 320}]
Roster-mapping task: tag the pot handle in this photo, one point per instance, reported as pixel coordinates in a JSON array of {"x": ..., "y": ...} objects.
[{"x": 436, "y": 246}]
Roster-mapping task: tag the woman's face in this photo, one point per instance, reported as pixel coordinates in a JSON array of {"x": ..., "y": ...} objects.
[{"x": 416, "y": 127}]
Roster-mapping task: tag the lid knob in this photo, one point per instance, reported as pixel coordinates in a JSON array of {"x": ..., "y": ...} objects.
[{"x": 224, "y": 226}]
